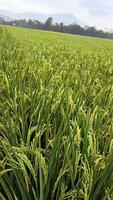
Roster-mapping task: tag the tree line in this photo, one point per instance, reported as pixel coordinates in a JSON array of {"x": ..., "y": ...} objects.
[{"x": 58, "y": 27}]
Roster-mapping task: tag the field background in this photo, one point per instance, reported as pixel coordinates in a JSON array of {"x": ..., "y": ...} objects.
[{"x": 56, "y": 116}]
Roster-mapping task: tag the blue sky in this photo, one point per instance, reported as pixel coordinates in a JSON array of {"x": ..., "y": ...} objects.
[{"x": 98, "y": 13}]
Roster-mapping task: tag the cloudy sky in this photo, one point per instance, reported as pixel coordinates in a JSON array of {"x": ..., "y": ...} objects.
[{"x": 98, "y": 13}]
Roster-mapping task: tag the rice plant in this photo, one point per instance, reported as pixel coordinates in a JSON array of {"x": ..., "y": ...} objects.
[{"x": 56, "y": 116}]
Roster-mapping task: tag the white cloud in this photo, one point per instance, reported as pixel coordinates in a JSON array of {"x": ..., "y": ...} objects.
[
  {"x": 93, "y": 12},
  {"x": 100, "y": 12},
  {"x": 23, "y": 6},
  {"x": 101, "y": 22}
]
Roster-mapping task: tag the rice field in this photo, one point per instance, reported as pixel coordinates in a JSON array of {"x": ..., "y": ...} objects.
[{"x": 56, "y": 116}]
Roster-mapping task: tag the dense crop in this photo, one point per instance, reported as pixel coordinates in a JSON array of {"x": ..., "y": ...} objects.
[{"x": 56, "y": 116}]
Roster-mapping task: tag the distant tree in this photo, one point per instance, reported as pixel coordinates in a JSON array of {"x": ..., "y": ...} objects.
[
  {"x": 2, "y": 21},
  {"x": 38, "y": 24},
  {"x": 48, "y": 23},
  {"x": 30, "y": 23},
  {"x": 21, "y": 22},
  {"x": 91, "y": 31},
  {"x": 61, "y": 27},
  {"x": 72, "y": 28},
  {"x": 76, "y": 29}
]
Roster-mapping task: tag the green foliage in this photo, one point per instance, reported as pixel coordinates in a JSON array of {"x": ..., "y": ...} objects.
[{"x": 56, "y": 116}]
